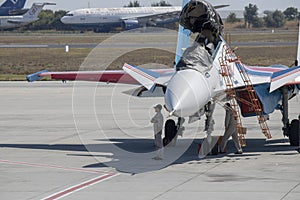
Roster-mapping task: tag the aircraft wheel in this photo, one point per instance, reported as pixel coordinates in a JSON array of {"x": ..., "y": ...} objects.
[
  {"x": 215, "y": 150},
  {"x": 294, "y": 133},
  {"x": 170, "y": 131}
]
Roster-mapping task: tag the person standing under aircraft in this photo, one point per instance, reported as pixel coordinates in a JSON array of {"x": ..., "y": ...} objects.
[
  {"x": 158, "y": 123},
  {"x": 230, "y": 130}
]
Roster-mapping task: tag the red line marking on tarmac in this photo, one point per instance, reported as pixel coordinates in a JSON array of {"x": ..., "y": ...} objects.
[
  {"x": 51, "y": 166},
  {"x": 79, "y": 187}
]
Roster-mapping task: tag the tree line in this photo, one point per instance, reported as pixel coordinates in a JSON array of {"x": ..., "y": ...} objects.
[
  {"x": 137, "y": 4},
  {"x": 272, "y": 19}
]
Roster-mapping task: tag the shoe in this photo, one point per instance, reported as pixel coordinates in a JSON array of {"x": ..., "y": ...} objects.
[{"x": 238, "y": 153}]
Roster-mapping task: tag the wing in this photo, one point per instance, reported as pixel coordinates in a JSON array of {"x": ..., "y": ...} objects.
[
  {"x": 287, "y": 77},
  {"x": 267, "y": 82},
  {"x": 155, "y": 18},
  {"x": 96, "y": 76},
  {"x": 130, "y": 75}
]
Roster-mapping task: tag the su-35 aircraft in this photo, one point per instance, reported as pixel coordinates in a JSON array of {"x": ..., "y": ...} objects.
[{"x": 206, "y": 72}]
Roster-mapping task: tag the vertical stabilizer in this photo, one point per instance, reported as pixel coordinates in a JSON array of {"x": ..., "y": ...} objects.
[
  {"x": 13, "y": 4},
  {"x": 183, "y": 38},
  {"x": 36, "y": 9}
]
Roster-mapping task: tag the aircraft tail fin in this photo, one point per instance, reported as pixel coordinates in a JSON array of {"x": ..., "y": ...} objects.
[
  {"x": 36, "y": 9},
  {"x": 183, "y": 38},
  {"x": 14, "y": 4}
]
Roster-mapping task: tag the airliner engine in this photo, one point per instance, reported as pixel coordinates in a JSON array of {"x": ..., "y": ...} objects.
[{"x": 130, "y": 24}]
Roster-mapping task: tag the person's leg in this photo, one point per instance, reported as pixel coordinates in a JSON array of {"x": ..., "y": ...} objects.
[
  {"x": 225, "y": 139},
  {"x": 237, "y": 144},
  {"x": 158, "y": 139}
]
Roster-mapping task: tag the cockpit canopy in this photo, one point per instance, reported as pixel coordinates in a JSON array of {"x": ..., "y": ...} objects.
[
  {"x": 195, "y": 57},
  {"x": 200, "y": 15}
]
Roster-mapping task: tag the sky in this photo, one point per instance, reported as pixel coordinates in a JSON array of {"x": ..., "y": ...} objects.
[{"x": 234, "y": 4}]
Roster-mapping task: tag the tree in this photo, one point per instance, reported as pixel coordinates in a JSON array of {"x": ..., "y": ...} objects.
[
  {"x": 291, "y": 13},
  {"x": 161, "y": 3},
  {"x": 44, "y": 22},
  {"x": 258, "y": 22},
  {"x": 275, "y": 19},
  {"x": 134, "y": 4},
  {"x": 279, "y": 18},
  {"x": 232, "y": 18},
  {"x": 250, "y": 14}
]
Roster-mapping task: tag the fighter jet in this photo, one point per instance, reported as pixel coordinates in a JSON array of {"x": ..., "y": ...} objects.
[
  {"x": 9, "y": 22},
  {"x": 206, "y": 72}
]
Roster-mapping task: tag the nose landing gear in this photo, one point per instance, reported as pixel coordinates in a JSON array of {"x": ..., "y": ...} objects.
[{"x": 172, "y": 131}]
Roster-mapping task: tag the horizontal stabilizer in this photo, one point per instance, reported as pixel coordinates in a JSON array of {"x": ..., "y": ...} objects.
[
  {"x": 284, "y": 77},
  {"x": 143, "y": 76},
  {"x": 15, "y": 21},
  {"x": 36, "y": 76}
]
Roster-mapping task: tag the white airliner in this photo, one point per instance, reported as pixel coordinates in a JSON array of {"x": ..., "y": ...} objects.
[
  {"x": 8, "y": 22},
  {"x": 104, "y": 19}
]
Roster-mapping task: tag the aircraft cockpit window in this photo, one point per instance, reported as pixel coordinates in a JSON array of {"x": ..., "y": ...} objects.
[
  {"x": 195, "y": 57},
  {"x": 70, "y": 15}
]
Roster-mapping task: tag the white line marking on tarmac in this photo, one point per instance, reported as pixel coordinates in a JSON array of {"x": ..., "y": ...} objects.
[
  {"x": 79, "y": 187},
  {"x": 51, "y": 166}
]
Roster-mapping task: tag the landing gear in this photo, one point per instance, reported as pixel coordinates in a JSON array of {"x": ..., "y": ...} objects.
[
  {"x": 285, "y": 111},
  {"x": 289, "y": 130},
  {"x": 294, "y": 133},
  {"x": 170, "y": 132}
]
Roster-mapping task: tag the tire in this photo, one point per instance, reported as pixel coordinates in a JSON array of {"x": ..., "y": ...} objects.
[
  {"x": 215, "y": 150},
  {"x": 170, "y": 131},
  {"x": 294, "y": 133}
]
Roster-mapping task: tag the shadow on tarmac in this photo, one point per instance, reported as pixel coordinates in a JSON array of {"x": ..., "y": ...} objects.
[{"x": 144, "y": 146}]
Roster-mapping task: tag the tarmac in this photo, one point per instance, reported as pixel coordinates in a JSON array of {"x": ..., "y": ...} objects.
[
  {"x": 92, "y": 141},
  {"x": 128, "y": 45}
]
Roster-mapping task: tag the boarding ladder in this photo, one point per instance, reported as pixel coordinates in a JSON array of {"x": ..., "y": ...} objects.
[
  {"x": 227, "y": 58},
  {"x": 226, "y": 73}
]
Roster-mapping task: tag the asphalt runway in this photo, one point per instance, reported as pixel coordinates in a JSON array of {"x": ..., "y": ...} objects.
[
  {"x": 127, "y": 45},
  {"x": 91, "y": 141}
]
